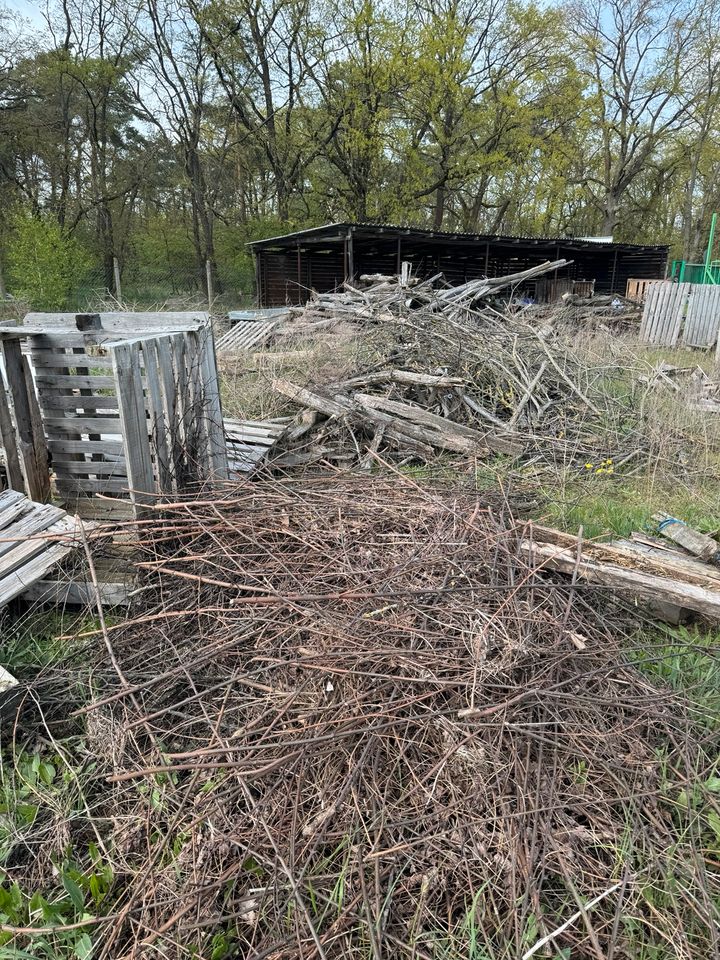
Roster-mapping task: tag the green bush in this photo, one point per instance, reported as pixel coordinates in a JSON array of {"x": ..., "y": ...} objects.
[{"x": 45, "y": 263}]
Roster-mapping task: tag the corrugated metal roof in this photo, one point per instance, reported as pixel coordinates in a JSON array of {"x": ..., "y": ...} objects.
[{"x": 336, "y": 230}]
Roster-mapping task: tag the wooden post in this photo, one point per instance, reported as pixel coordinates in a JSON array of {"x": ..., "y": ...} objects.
[
  {"x": 399, "y": 255},
  {"x": 351, "y": 257},
  {"x": 31, "y": 443},
  {"x": 209, "y": 281},
  {"x": 116, "y": 274}
]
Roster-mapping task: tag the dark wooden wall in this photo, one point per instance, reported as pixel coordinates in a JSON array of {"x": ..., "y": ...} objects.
[{"x": 287, "y": 276}]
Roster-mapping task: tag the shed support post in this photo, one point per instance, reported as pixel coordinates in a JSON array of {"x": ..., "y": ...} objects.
[
  {"x": 614, "y": 270},
  {"x": 351, "y": 257}
]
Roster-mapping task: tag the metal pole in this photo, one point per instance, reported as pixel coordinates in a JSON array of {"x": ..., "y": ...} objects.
[
  {"x": 208, "y": 276},
  {"x": 708, "y": 252},
  {"x": 116, "y": 272}
]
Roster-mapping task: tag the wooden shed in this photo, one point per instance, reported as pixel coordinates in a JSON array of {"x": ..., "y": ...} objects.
[{"x": 289, "y": 267}]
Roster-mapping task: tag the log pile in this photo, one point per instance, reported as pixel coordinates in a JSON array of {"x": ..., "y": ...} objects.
[{"x": 445, "y": 370}]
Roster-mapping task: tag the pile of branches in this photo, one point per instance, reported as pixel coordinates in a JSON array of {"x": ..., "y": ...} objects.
[
  {"x": 443, "y": 369},
  {"x": 355, "y": 721}
]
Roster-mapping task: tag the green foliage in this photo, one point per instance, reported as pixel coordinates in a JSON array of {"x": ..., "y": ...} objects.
[{"x": 44, "y": 262}]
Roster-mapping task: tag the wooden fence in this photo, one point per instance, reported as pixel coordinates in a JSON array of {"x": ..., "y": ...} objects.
[
  {"x": 702, "y": 320},
  {"x": 681, "y": 312}
]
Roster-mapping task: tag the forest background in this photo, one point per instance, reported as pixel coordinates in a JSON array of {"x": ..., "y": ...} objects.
[{"x": 155, "y": 138}]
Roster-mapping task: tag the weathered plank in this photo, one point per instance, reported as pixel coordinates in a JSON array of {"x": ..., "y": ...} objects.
[
  {"x": 168, "y": 392},
  {"x": 54, "y": 401},
  {"x": 212, "y": 407},
  {"x": 30, "y": 439},
  {"x": 133, "y": 417},
  {"x": 15, "y": 477},
  {"x": 94, "y": 468},
  {"x": 58, "y": 447},
  {"x": 52, "y": 359},
  {"x": 119, "y": 322},
  {"x": 35, "y": 558},
  {"x": 59, "y": 381},
  {"x": 160, "y": 433},
  {"x": 69, "y": 486},
  {"x": 104, "y": 425}
]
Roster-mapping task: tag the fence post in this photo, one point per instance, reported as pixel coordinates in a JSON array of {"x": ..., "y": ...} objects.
[
  {"x": 116, "y": 272},
  {"x": 208, "y": 275}
]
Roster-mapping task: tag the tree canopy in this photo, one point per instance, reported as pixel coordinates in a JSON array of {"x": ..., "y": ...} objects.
[{"x": 169, "y": 132}]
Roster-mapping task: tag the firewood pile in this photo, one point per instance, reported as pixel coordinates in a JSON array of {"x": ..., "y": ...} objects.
[{"x": 450, "y": 370}]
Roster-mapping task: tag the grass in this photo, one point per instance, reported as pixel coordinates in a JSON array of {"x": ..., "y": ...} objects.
[
  {"x": 687, "y": 660},
  {"x": 617, "y": 506}
]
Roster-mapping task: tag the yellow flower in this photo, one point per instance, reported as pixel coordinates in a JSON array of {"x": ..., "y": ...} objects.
[{"x": 588, "y": 466}]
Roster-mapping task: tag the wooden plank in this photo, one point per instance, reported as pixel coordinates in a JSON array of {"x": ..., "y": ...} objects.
[
  {"x": 58, "y": 447},
  {"x": 51, "y": 359},
  {"x": 158, "y": 425},
  {"x": 60, "y": 381},
  {"x": 182, "y": 434},
  {"x": 63, "y": 593},
  {"x": 40, "y": 556},
  {"x": 168, "y": 391},
  {"x": 629, "y": 582},
  {"x": 111, "y": 425},
  {"x": 16, "y": 506},
  {"x": 124, "y": 321},
  {"x": 133, "y": 417},
  {"x": 69, "y": 486},
  {"x": 21, "y": 539},
  {"x": 212, "y": 407},
  {"x": 95, "y": 468},
  {"x": 15, "y": 477},
  {"x": 30, "y": 440},
  {"x": 53, "y": 401}
]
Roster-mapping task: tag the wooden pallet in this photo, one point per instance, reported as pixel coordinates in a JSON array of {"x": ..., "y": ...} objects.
[
  {"x": 246, "y": 334},
  {"x": 34, "y": 538},
  {"x": 250, "y": 441}
]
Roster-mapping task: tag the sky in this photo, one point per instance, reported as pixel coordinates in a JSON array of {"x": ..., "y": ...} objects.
[{"x": 31, "y": 9}]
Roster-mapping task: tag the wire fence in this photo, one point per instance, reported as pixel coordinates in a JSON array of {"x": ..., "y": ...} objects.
[{"x": 140, "y": 286}]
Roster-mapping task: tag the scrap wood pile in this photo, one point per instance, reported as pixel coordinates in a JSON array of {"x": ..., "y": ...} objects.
[
  {"x": 698, "y": 389},
  {"x": 444, "y": 370},
  {"x": 611, "y": 312},
  {"x": 357, "y": 720}
]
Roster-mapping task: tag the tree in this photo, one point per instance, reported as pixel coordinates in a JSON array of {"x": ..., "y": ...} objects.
[{"x": 637, "y": 57}]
